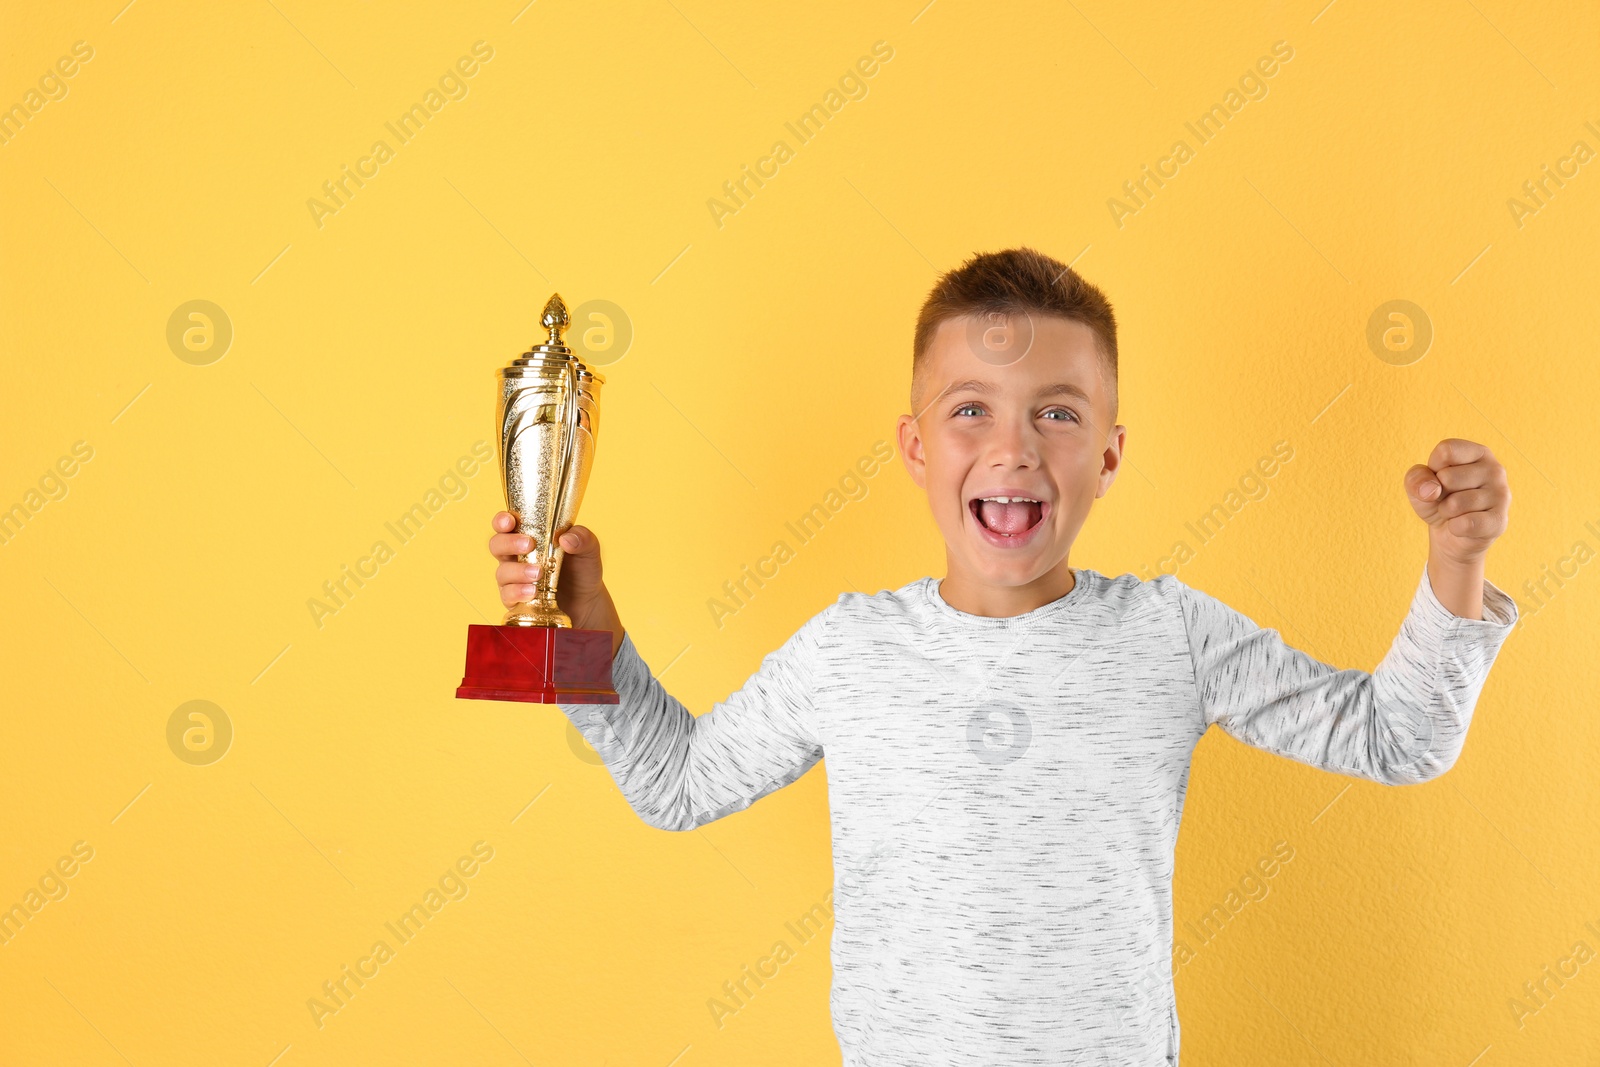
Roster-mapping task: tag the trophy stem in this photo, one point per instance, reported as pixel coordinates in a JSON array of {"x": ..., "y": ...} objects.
[{"x": 542, "y": 610}]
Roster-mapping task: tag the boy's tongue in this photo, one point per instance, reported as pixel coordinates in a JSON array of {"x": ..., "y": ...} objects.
[{"x": 1013, "y": 518}]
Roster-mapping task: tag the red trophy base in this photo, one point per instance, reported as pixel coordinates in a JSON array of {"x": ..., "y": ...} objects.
[{"x": 539, "y": 665}]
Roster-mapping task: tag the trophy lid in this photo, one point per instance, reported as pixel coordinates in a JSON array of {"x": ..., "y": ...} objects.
[{"x": 556, "y": 319}]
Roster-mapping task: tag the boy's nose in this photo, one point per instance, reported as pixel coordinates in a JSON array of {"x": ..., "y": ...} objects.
[{"x": 1013, "y": 444}]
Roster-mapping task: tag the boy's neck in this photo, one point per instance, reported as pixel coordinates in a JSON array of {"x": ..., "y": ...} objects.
[{"x": 964, "y": 592}]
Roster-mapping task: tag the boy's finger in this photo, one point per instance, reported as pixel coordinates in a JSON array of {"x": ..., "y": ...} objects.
[
  {"x": 1422, "y": 483},
  {"x": 513, "y": 573},
  {"x": 1473, "y": 525},
  {"x": 508, "y": 546},
  {"x": 578, "y": 540},
  {"x": 1467, "y": 501},
  {"x": 503, "y": 522},
  {"x": 1454, "y": 451},
  {"x": 1467, "y": 475},
  {"x": 516, "y": 594}
]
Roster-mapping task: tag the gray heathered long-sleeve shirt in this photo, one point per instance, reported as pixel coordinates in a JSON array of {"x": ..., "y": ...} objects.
[{"x": 1006, "y": 792}]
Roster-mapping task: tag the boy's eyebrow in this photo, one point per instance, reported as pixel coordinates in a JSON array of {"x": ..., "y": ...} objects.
[{"x": 978, "y": 385}]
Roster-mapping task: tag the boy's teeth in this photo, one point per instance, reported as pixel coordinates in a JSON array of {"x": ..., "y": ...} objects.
[{"x": 1008, "y": 515}]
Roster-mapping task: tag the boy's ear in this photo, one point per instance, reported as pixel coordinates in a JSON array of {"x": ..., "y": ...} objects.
[
  {"x": 910, "y": 438},
  {"x": 1111, "y": 461}
]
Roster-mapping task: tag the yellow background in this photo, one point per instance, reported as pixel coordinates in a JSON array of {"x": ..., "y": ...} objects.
[{"x": 769, "y": 355}]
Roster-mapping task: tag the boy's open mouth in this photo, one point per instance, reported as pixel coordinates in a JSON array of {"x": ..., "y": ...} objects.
[{"x": 1007, "y": 516}]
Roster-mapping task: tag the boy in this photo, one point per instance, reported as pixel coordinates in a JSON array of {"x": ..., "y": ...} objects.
[{"x": 1008, "y": 748}]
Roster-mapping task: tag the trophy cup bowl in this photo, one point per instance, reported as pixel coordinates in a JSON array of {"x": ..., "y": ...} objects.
[{"x": 548, "y": 413}]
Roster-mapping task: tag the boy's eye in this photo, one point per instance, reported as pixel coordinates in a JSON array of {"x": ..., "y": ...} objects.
[
  {"x": 1063, "y": 411},
  {"x": 969, "y": 407}
]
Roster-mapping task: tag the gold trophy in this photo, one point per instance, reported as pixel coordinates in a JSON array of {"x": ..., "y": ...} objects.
[{"x": 548, "y": 412}]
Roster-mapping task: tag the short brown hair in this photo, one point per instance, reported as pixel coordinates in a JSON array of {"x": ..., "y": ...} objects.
[{"x": 1017, "y": 280}]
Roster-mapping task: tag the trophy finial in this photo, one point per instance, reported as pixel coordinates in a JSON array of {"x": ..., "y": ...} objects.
[{"x": 555, "y": 318}]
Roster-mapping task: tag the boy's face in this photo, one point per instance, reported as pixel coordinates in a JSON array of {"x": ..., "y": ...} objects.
[{"x": 1015, "y": 408}]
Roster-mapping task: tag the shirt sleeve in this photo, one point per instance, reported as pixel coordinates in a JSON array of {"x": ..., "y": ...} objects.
[
  {"x": 1404, "y": 723},
  {"x": 678, "y": 771}
]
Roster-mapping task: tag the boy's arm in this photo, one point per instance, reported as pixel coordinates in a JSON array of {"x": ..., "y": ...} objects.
[
  {"x": 678, "y": 771},
  {"x": 1407, "y": 721}
]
